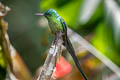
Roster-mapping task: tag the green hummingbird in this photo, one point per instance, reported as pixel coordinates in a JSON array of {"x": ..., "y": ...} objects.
[{"x": 56, "y": 24}]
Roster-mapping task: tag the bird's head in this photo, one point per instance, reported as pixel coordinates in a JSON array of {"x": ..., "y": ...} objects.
[{"x": 51, "y": 13}]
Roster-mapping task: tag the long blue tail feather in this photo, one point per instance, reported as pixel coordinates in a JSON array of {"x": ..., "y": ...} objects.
[{"x": 70, "y": 49}]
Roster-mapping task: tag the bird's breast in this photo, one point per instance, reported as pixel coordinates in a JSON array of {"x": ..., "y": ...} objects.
[{"x": 55, "y": 26}]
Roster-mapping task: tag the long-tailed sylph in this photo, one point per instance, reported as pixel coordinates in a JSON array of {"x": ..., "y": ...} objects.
[{"x": 56, "y": 24}]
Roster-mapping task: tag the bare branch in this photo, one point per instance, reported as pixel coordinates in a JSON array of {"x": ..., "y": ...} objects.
[{"x": 51, "y": 59}]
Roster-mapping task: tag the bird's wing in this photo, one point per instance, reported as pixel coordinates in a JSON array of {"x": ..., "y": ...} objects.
[
  {"x": 64, "y": 26},
  {"x": 67, "y": 42}
]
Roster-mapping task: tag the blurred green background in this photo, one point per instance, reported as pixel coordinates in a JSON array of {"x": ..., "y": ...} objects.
[{"x": 98, "y": 18}]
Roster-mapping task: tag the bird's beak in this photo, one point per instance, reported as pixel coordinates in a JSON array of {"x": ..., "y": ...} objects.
[{"x": 39, "y": 14}]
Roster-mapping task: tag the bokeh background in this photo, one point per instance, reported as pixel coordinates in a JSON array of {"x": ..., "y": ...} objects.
[{"x": 97, "y": 21}]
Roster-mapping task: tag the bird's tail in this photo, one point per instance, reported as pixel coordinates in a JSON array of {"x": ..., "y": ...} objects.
[{"x": 70, "y": 49}]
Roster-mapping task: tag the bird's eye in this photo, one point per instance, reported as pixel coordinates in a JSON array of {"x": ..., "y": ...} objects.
[{"x": 49, "y": 14}]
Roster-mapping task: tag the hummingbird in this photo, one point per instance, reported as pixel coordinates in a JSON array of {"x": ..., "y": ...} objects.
[{"x": 56, "y": 24}]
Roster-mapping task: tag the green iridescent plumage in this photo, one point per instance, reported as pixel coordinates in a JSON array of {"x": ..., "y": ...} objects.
[
  {"x": 57, "y": 23},
  {"x": 54, "y": 21}
]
